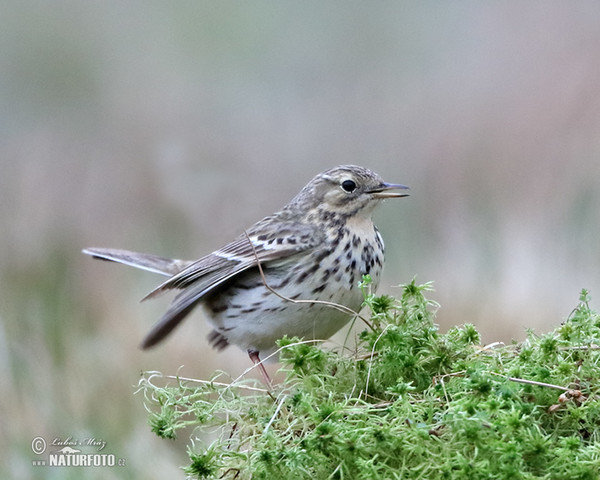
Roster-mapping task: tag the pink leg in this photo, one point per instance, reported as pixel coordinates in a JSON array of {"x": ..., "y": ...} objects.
[{"x": 253, "y": 354}]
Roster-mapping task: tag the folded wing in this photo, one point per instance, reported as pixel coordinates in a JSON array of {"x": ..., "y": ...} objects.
[{"x": 211, "y": 271}]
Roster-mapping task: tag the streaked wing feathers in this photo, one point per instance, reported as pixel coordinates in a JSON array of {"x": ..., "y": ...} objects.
[
  {"x": 240, "y": 255},
  {"x": 184, "y": 303},
  {"x": 210, "y": 271}
]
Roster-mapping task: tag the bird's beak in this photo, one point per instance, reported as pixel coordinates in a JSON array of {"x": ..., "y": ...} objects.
[{"x": 386, "y": 190}]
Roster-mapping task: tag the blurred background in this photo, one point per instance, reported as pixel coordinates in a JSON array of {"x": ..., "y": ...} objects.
[{"x": 168, "y": 127}]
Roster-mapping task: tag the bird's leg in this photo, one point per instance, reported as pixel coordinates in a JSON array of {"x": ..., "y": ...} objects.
[{"x": 253, "y": 354}]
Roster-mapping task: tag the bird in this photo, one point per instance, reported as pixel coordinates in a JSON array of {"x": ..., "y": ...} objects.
[{"x": 281, "y": 274}]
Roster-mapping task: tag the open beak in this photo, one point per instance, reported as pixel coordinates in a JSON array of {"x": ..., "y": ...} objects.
[{"x": 387, "y": 190}]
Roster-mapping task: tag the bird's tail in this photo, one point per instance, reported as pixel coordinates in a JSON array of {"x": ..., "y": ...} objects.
[{"x": 145, "y": 261}]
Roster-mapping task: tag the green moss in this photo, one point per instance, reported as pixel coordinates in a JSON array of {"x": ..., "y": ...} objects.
[{"x": 410, "y": 403}]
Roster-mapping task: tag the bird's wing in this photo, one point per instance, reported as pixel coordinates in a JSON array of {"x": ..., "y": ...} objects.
[
  {"x": 145, "y": 261},
  {"x": 210, "y": 271}
]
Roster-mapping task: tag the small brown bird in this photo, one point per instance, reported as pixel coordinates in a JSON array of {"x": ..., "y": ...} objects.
[{"x": 317, "y": 247}]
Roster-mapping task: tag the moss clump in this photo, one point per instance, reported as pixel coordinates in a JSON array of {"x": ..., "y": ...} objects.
[{"x": 410, "y": 403}]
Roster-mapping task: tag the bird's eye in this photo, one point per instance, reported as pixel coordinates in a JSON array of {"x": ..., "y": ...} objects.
[{"x": 348, "y": 186}]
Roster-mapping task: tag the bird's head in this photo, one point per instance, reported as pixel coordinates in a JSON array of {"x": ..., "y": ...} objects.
[{"x": 347, "y": 190}]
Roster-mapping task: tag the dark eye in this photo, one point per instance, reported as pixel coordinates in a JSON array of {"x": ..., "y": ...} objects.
[{"x": 348, "y": 186}]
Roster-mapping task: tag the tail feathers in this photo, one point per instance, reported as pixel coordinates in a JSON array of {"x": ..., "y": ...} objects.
[
  {"x": 152, "y": 263},
  {"x": 165, "y": 326}
]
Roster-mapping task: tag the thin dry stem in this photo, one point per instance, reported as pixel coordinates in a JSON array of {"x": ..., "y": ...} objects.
[{"x": 532, "y": 382}]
